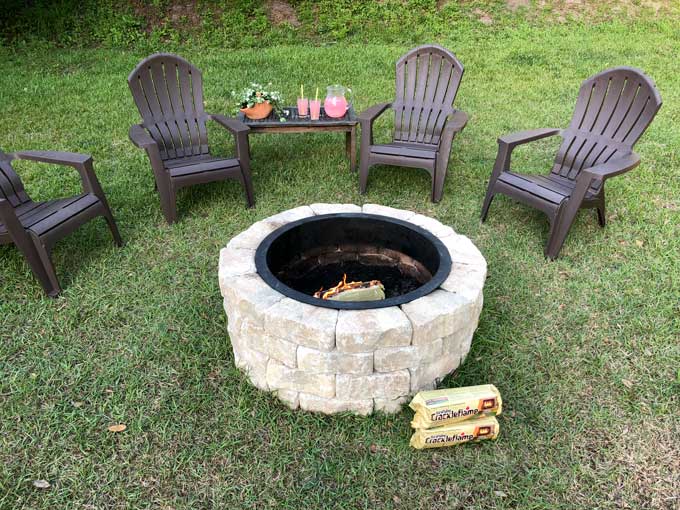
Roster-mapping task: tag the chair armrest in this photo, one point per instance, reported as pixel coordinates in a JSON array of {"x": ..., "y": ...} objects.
[
  {"x": 7, "y": 214},
  {"x": 455, "y": 122},
  {"x": 507, "y": 143},
  {"x": 140, "y": 137},
  {"x": 240, "y": 131},
  {"x": 81, "y": 162},
  {"x": 522, "y": 137},
  {"x": 233, "y": 125},
  {"x": 612, "y": 168},
  {"x": 16, "y": 230},
  {"x": 372, "y": 113},
  {"x": 73, "y": 159},
  {"x": 586, "y": 178}
]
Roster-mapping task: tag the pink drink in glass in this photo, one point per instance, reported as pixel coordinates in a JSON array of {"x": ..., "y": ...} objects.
[
  {"x": 314, "y": 109},
  {"x": 335, "y": 106},
  {"x": 302, "y": 103}
]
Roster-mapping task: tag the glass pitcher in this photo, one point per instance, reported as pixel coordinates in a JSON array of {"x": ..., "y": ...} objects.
[{"x": 335, "y": 104}]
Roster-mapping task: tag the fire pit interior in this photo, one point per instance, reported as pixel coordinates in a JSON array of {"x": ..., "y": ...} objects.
[{"x": 316, "y": 253}]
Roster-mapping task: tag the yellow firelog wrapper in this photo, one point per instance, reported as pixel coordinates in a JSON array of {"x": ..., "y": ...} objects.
[
  {"x": 475, "y": 429},
  {"x": 444, "y": 407}
]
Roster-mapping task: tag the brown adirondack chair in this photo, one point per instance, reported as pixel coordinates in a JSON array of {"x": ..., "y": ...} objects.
[
  {"x": 425, "y": 121},
  {"x": 613, "y": 110},
  {"x": 168, "y": 92},
  {"x": 34, "y": 227}
]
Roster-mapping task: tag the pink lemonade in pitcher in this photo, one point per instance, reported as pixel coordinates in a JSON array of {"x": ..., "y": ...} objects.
[{"x": 335, "y": 104}]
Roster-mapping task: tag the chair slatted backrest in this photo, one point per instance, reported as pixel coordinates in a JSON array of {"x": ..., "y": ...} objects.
[
  {"x": 613, "y": 110},
  {"x": 168, "y": 92},
  {"x": 11, "y": 187},
  {"x": 427, "y": 82}
]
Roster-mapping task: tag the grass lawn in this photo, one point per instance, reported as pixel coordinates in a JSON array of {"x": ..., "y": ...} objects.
[{"x": 584, "y": 350}]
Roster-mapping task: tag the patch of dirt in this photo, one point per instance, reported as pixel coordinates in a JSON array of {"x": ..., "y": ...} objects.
[
  {"x": 651, "y": 465},
  {"x": 280, "y": 12},
  {"x": 178, "y": 15},
  {"x": 513, "y": 5},
  {"x": 482, "y": 16},
  {"x": 179, "y": 12},
  {"x": 562, "y": 10}
]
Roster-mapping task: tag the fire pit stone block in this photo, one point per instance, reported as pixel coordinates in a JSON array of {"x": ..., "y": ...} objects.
[
  {"x": 390, "y": 405},
  {"x": 250, "y": 239},
  {"x": 253, "y": 363},
  {"x": 278, "y": 220},
  {"x": 334, "y": 208},
  {"x": 388, "y": 359},
  {"x": 318, "y": 404},
  {"x": 248, "y": 296},
  {"x": 334, "y": 362},
  {"x": 280, "y": 376},
  {"x": 428, "y": 375},
  {"x": 465, "y": 279},
  {"x": 235, "y": 262},
  {"x": 281, "y": 350},
  {"x": 434, "y": 226},
  {"x": 383, "y": 210},
  {"x": 463, "y": 251},
  {"x": 365, "y": 330},
  {"x": 288, "y": 397},
  {"x": 302, "y": 324},
  {"x": 439, "y": 314},
  {"x": 330, "y": 361},
  {"x": 377, "y": 385}
]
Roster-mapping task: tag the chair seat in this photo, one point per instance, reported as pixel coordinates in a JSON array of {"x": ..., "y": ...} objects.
[
  {"x": 551, "y": 188},
  {"x": 193, "y": 165},
  {"x": 409, "y": 150},
  {"x": 41, "y": 217}
]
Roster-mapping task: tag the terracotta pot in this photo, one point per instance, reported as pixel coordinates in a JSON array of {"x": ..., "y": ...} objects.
[{"x": 259, "y": 111}]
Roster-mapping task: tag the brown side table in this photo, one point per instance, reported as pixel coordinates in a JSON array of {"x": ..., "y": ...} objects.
[{"x": 296, "y": 124}]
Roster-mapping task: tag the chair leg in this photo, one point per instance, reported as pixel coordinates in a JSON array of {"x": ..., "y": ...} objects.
[
  {"x": 247, "y": 182},
  {"x": 559, "y": 229},
  {"x": 553, "y": 222},
  {"x": 364, "y": 166},
  {"x": 27, "y": 247},
  {"x": 108, "y": 216},
  {"x": 601, "y": 219},
  {"x": 438, "y": 179},
  {"x": 487, "y": 201},
  {"x": 168, "y": 200},
  {"x": 51, "y": 284}
]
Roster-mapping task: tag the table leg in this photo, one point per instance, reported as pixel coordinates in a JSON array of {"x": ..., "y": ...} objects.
[{"x": 351, "y": 148}]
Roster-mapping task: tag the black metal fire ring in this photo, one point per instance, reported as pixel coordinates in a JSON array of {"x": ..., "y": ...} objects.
[{"x": 437, "y": 279}]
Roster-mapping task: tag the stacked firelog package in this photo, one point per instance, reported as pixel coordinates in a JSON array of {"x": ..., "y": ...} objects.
[{"x": 453, "y": 416}]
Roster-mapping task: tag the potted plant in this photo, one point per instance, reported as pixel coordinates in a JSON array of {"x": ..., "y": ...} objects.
[{"x": 257, "y": 101}]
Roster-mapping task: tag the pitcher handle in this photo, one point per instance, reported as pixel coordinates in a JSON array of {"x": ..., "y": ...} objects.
[{"x": 350, "y": 103}]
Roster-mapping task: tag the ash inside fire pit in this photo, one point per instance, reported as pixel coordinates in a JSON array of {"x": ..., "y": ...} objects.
[{"x": 313, "y": 253}]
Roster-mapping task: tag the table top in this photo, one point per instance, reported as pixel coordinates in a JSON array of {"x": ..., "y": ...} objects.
[{"x": 293, "y": 119}]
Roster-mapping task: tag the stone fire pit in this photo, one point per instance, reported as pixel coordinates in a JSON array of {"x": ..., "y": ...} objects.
[{"x": 328, "y": 360}]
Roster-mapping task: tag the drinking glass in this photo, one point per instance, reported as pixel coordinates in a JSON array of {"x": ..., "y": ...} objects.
[
  {"x": 302, "y": 104},
  {"x": 314, "y": 109}
]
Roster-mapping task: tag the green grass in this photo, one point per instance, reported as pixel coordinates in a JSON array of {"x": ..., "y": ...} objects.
[{"x": 584, "y": 349}]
